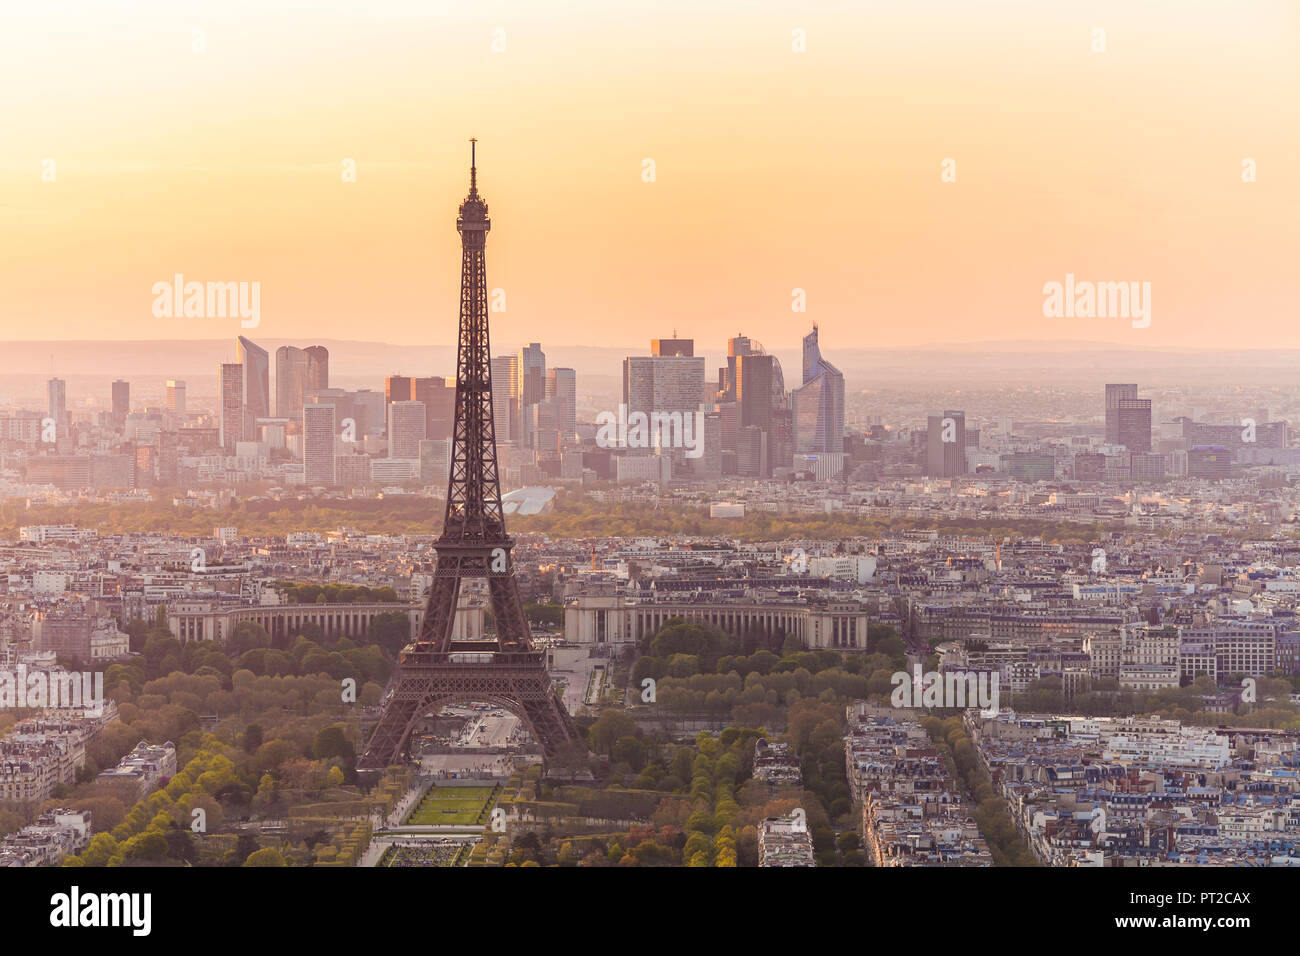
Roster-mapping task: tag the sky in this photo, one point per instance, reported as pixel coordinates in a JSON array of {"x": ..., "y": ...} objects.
[{"x": 147, "y": 139}]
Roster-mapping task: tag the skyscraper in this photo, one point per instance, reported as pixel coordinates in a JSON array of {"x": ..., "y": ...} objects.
[
  {"x": 737, "y": 346},
  {"x": 397, "y": 388},
  {"x": 505, "y": 397},
  {"x": 532, "y": 376},
  {"x": 230, "y": 411},
  {"x": 318, "y": 430},
  {"x": 543, "y": 427},
  {"x": 406, "y": 429},
  {"x": 121, "y": 402},
  {"x": 289, "y": 380},
  {"x": 818, "y": 405},
  {"x": 1114, "y": 394},
  {"x": 176, "y": 397},
  {"x": 1133, "y": 424},
  {"x": 439, "y": 405},
  {"x": 946, "y": 445},
  {"x": 318, "y": 366},
  {"x": 562, "y": 386},
  {"x": 57, "y": 391},
  {"x": 257, "y": 384},
  {"x": 754, "y": 374},
  {"x": 298, "y": 371},
  {"x": 659, "y": 385}
]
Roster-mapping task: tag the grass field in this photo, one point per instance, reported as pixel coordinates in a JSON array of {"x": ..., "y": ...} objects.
[{"x": 453, "y": 805}]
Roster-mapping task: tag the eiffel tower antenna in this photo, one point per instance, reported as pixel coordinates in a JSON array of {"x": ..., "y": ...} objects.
[
  {"x": 440, "y": 668},
  {"x": 473, "y": 167}
]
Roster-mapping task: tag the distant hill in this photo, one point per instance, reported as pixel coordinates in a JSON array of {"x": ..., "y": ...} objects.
[{"x": 90, "y": 365}]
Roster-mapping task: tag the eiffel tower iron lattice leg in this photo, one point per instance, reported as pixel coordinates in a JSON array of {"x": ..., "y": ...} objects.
[{"x": 437, "y": 669}]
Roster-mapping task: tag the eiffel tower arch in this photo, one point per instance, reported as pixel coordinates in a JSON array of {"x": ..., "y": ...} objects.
[{"x": 506, "y": 669}]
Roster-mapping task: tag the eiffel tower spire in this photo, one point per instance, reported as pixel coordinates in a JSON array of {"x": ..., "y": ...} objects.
[{"x": 439, "y": 669}]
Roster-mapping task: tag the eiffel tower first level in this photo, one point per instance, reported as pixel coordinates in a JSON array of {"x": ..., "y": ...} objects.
[{"x": 506, "y": 670}]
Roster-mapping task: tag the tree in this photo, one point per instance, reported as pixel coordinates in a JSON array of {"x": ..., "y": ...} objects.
[
  {"x": 267, "y": 856},
  {"x": 180, "y": 845},
  {"x": 331, "y": 742},
  {"x": 391, "y": 631},
  {"x": 244, "y": 847},
  {"x": 150, "y": 845},
  {"x": 629, "y": 750},
  {"x": 101, "y": 849},
  {"x": 608, "y": 728},
  {"x": 247, "y": 635}
]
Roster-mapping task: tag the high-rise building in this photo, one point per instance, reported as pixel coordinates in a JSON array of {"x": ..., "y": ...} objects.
[
  {"x": 663, "y": 384},
  {"x": 439, "y": 398},
  {"x": 406, "y": 423},
  {"x": 505, "y": 397},
  {"x": 672, "y": 348},
  {"x": 298, "y": 371},
  {"x": 709, "y": 464},
  {"x": 351, "y": 470},
  {"x": 818, "y": 404},
  {"x": 532, "y": 390},
  {"x": 754, "y": 375},
  {"x": 668, "y": 390},
  {"x": 1029, "y": 466},
  {"x": 435, "y": 461},
  {"x": 146, "y": 465},
  {"x": 1213, "y": 462},
  {"x": 532, "y": 375},
  {"x": 728, "y": 424},
  {"x": 780, "y": 439},
  {"x": 176, "y": 397},
  {"x": 168, "y": 458},
  {"x": 318, "y": 430},
  {"x": 230, "y": 411},
  {"x": 562, "y": 386},
  {"x": 751, "y": 451},
  {"x": 1133, "y": 424},
  {"x": 369, "y": 410},
  {"x": 736, "y": 346},
  {"x": 318, "y": 366},
  {"x": 289, "y": 380},
  {"x": 57, "y": 392},
  {"x": 121, "y": 402},
  {"x": 946, "y": 445},
  {"x": 397, "y": 388},
  {"x": 257, "y": 384},
  {"x": 1114, "y": 394}
]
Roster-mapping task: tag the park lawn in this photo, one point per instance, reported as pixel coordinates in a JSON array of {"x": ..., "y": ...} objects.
[{"x": 453, "y": 805}]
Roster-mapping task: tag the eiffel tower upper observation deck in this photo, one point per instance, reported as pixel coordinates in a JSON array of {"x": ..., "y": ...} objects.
[{"x": 504, "y": 669}]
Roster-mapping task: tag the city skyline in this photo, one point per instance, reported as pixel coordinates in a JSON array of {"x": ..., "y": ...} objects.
[{"x": 886, "y": 459}]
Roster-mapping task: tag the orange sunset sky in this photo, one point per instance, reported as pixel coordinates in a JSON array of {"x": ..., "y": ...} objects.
[{"x": 774, "y": 169}]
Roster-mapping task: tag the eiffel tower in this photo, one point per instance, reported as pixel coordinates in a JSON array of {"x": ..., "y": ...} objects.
[{"x": 437, "y": 670}]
